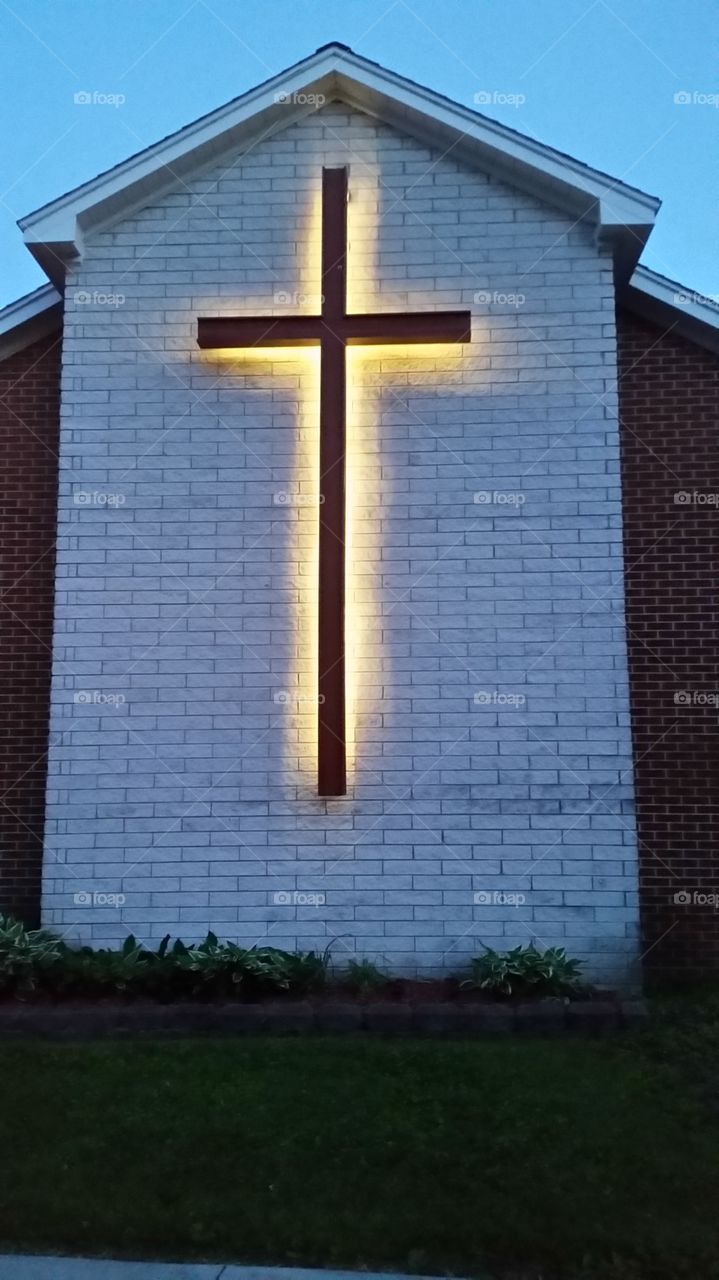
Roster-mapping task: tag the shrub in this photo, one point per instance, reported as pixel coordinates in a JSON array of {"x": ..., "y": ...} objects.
[
  {"x": 210, "y": 969},
  {"x": 25, "y": 955},
  {"x": 364, "y": 977},
  {"x": 526, "y": 971},
  {"x": 90, "y": 971},
  {"x": 217, "y": 968},
  {"x": 213, "y": 969},
  {"x": 301, "y": 971}
]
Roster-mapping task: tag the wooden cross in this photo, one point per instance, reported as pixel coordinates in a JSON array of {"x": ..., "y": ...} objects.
[{"x": 333, "y": 330}]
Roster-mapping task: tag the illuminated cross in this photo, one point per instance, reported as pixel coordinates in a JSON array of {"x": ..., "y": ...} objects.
[{"x": 333, "y": 331}]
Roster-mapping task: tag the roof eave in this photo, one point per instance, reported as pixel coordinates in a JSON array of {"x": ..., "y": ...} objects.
[
  {"x": 28, "y": 319},
  {"x": 673, "y": 307}
]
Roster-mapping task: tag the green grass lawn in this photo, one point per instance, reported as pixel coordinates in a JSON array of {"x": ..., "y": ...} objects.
[{"x": 522, "y": 1157}]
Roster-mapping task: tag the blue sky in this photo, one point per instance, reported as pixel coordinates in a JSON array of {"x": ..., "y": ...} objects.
[{"x": 595, "y": 79}]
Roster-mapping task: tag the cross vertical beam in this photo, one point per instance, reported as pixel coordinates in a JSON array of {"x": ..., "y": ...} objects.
[{"x": 331, "y": 734}]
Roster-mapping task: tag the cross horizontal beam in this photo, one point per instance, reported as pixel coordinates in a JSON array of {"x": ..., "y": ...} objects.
[{"x": 361, "y": 329}]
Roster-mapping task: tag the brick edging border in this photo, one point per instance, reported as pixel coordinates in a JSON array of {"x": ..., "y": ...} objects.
[{"x": 587, "y": 1017}]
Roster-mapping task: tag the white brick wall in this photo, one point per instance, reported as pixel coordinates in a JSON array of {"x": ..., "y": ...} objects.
[{"x": 186, "y": 591}]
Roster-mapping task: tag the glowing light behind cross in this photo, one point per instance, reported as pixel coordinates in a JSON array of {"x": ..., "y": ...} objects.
[{"x": 333, "y": 330}]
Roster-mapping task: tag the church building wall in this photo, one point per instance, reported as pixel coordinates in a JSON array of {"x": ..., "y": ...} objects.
[
  {"x": 29, "y": 423},
  {"x": 669, "y": 391},
  {"x": 491, "y": 794}
]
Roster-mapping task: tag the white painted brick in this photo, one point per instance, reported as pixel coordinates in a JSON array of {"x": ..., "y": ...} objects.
[{"x": 192, "y": 599}]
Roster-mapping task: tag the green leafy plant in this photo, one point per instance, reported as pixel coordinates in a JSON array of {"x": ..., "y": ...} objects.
[
  {"x": 25, "y": 955},
  {"x": 526, "y": 971},
  {"x": 364, "y": 977},
  {"x": 304, "y": 971},
  {"x": 88, "y": 971},
  {"x": 163, "y": 977},
  {"x": 208, "y": 970},
  {"x": 220, "y": 968}
]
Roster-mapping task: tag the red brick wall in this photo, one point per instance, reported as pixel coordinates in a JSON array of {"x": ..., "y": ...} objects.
[
  {"x": 669, "y": 396},
  {"x": 29, "y": 405}
]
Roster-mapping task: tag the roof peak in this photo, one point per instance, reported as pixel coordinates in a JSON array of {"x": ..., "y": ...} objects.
[{"x": 334, "y": 44}]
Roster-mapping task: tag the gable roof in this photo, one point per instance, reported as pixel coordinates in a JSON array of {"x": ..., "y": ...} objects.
[{"x": 622, "y": 214}]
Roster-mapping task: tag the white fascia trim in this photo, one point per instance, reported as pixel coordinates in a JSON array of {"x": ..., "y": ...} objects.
[
  {"x": 29, "y": 318},
  {"x": 674, "y": 306},
  {"x": 619, "y": 203},
  {"x": 57, "y": 220},
  {"x": 672, "y": 294},
  {"x": 28, "y": 307}
]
